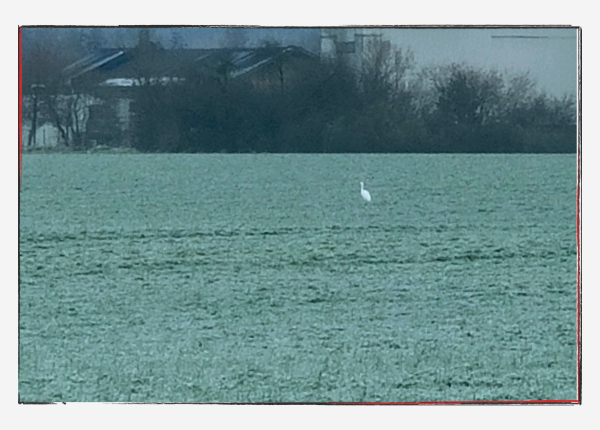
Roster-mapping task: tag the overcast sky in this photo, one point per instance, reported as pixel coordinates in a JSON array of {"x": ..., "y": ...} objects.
[{"x": 549, "y": 54}]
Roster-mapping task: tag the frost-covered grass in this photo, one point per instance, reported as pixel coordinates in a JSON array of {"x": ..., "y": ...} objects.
[{"x": 267, "y": 278}]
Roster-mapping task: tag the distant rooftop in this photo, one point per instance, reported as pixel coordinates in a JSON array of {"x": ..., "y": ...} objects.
[{"x": 118, "y": 67}]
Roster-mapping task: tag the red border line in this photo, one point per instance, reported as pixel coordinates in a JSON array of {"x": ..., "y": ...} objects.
[
  {"x": 20, "y": 108},
  {"x": 578, "y": 269},
  {"x": 578, "y": 222},
  {"x": 466, "y": 402},
  {"x": 578, "y": 280}
]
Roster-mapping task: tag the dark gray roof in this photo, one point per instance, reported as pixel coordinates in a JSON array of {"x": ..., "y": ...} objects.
[{"x": 128, "y": 63}]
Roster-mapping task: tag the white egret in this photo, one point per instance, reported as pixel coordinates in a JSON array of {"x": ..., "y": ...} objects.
[{"x": 364, "y": 193}]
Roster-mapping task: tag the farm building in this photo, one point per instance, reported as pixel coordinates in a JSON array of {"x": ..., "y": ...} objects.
[
  {"x": 97, "y": 106},
  {"x": 109, "y": 79}
]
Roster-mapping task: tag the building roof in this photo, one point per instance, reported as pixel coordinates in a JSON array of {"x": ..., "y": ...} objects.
[{"x": 122, "y": 67}]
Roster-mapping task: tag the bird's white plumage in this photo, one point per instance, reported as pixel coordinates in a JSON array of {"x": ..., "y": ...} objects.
[{"x": 364, "y": 193}]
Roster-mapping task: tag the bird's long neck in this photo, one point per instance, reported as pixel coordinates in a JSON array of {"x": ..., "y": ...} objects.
[{"x": 362, "y": 186}]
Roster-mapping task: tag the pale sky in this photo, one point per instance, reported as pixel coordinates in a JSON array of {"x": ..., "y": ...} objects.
[{"x": 549, "y": 54}]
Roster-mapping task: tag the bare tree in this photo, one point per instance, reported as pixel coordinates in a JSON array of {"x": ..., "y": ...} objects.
[
  {"x": 403, "y": 63},
  {"x": 48, "y": 98},
  {"x": 377, "y": 68},
  {"x": 384, "y": 69}
]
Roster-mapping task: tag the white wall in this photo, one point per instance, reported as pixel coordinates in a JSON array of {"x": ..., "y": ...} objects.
[{"x": 47, "y": 135}]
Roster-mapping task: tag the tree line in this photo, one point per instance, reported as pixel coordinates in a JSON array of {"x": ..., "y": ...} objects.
[{"x": 385, "y": 104}]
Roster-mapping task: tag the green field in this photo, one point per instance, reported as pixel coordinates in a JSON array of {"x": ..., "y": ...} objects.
[{"x": 267, "y": 278}]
